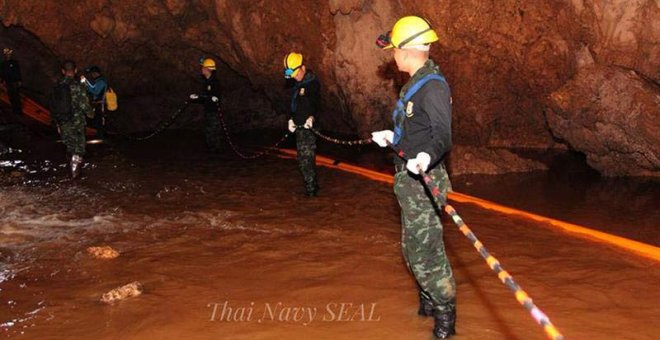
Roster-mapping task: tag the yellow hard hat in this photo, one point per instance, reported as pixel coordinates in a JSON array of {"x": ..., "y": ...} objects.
[
  {"x": 292, "y": 63},
  {"x": 208, "y": 63},
  {"x": 407, "y": 32}
]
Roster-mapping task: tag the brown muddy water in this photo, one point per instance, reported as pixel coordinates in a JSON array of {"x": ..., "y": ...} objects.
[{"x": 231, "y": 249}]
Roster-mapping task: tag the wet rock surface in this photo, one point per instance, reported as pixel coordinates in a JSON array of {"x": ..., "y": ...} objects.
[
  {"x": 612, "y": 116},
  {"x": 124, "y": 292},
  {"x": 103, "y": 252}
]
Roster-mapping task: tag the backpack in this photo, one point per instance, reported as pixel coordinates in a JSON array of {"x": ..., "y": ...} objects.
[
  {"x": 111, "y": 100},
  {"x": 61, "y": 103}
]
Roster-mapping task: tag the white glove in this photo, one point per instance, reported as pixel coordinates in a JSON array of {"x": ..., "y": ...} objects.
[
  {"x": 215, "y": 99},
  {"x": 194, "y": 96},
  {"x": 309, "y": 122},
  {"x": 292, "y": 126},
  {"x": 83, "y": 79},
  {"x": 382, "y": 137},
  {"x": 422, "y": 160}
]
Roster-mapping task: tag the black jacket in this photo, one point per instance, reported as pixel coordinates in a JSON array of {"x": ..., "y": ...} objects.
[
  {"x": 428, "y": 127},
  {"x": 306, "y": 99},
  {"x": 10, "y": 71},
  {"x": 211, "y": 89}
]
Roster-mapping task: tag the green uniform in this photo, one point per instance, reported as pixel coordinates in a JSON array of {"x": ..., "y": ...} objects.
[
  {"x": 425, "y": 126},
  {"x": 422, "y": 238},
  {"x": 212, "y": 129},
  {"x": 73, "y": 130},
  {"x": 305, "y": 103},
  {"x": 306, "y": 145}
]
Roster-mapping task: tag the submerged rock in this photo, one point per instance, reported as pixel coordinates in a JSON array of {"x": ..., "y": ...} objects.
[
  {"x": 105, "y": 252},
  {"x": 122, "y": 293}
]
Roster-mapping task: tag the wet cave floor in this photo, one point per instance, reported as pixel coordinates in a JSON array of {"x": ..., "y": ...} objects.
[{"x": 232, "y": 249}]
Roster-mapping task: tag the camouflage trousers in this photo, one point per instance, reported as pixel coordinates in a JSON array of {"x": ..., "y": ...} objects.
[
  {"x": 212, "y": 130},
  {"x": 306, "y": 145},
  {"x": 421, "y": 238},
  {"x": 73, "y": 136}
]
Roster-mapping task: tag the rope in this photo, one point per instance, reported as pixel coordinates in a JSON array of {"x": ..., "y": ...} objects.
[
  {"x": 235, "y": 148},
  {"x": 493, "y": 263},
  {"x": 163, "y": 126}
]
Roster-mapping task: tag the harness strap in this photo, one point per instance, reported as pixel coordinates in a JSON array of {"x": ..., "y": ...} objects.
[{"x": 397, "y": 115}]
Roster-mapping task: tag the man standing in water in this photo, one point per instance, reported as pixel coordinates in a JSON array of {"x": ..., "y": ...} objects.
[
  {"x": 96, "y": 88},
  {"x": 422, "y": 129},
  {"x": 69, "y": 106},
  {"x": 210, "y": 97},
  {"x": 305, "y": 103},
  {"x": 10, "y": 72}
]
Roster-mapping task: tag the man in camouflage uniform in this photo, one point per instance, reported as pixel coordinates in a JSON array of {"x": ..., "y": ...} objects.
[
  {"x": 305, "y": 103},
  {"x": 72, "y": 130},
  {"x": 422, "y": 129}
]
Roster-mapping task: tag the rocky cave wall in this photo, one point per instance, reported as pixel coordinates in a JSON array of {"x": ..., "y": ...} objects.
[{"x": 540, "y": 74}]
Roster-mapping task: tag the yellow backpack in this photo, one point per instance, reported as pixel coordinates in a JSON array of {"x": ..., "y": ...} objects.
[{"x": 111, "y": 100}]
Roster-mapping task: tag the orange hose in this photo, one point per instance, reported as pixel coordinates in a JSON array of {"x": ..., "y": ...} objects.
[{"x": 639, "y": 248}]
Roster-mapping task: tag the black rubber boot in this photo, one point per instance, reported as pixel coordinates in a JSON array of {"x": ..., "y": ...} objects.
[
  {"x": 425, "y": 306},
  {"x": 445, "y": 323}
]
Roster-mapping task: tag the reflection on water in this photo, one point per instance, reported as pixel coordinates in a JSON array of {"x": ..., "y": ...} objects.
[
  {"x": 569, "y": 191},
  {"x": 624, "y": 207},
  {"x": 197, "y": 230}
]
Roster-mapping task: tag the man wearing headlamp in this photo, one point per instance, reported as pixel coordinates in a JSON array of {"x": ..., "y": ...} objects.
[
  {"x": 422, "y": 129},
  {"x": 305, "y": 102}
]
